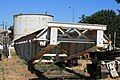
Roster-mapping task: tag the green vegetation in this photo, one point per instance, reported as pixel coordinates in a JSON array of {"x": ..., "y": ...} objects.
[
  {"x": 118, "y": 1},
  {"x": 48, "y": 67},
  {"x": 106, "y": 17}
]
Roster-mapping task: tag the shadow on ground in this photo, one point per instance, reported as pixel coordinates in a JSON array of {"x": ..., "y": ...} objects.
[{"x": 40, "y": 75}]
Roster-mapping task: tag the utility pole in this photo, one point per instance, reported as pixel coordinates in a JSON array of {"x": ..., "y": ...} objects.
[
  {"x": 73, "y": 14},
  {"x": 5, "y": 39},
  {"x": 114, "y": 39},
  {"x": 6, "y": 26},
  {"x": 3, "y": 25}
]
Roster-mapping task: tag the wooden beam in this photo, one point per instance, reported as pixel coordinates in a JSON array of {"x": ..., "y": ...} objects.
[
  {"x": 40, "y": 54},
  {"x": 80, "y": 53}
]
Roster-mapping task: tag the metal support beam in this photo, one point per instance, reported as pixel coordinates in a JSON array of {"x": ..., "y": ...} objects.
[
  {"x": 53, "y": 36},
  {"x": 77, "y": 25},
  {"x": 99, "y": 38},
  {"x": 42, "y": 32},
  {"x": 75, "y": 40},
  {"x": 64, "y": 33}
]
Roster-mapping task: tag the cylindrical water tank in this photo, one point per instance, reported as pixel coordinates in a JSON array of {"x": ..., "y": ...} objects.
[{"x": 25, "y": 24}]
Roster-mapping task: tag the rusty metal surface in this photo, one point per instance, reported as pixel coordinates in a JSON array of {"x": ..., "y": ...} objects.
[
  {"x": 28, "y": 37},
  {"x": 42, "y": 52},
  {"x": 27, "y": 50}
]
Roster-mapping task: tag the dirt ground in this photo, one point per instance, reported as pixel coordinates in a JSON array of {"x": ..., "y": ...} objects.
[{"x": 14, "y": 69}]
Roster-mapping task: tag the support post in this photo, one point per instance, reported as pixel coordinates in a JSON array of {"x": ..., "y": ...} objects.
[
  {"x": 114, "y": 39},
  {"x": 99, "y": 38},
  {"x": 53, "y": 36}
]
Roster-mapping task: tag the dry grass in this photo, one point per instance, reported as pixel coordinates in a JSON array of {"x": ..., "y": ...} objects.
[{"x": 14, "y": 69}]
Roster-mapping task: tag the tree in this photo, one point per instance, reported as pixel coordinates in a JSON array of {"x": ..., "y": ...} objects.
[
  {"x": 106, "y": 17},
  {"x": 118, "y": 1},
  {"x": 11, "y": 34}
]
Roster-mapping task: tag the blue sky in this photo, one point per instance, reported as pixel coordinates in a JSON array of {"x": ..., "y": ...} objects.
[{"x": 58, "y": 8}]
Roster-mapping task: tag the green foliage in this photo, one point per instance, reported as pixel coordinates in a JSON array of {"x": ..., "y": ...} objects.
[
  {"x": 2, "y": 70},
  {"x": 11, "y": 34},
  {"x": 48, "y": 67},
  {"x": 118, "y": 1},
  {"x": 105, "y": 17}
]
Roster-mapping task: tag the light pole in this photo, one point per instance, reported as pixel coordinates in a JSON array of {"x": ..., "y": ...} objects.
[{"x": 73, "y": 14}]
